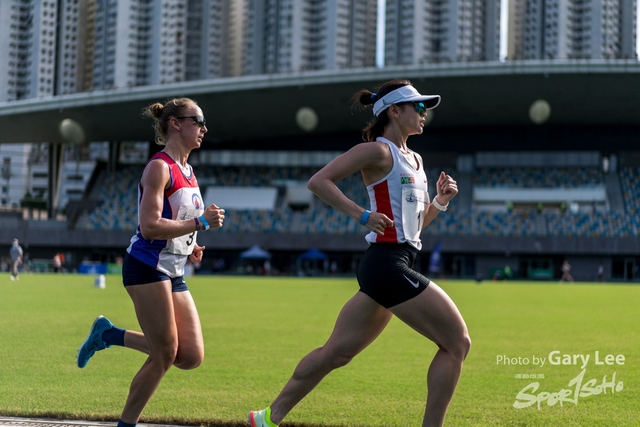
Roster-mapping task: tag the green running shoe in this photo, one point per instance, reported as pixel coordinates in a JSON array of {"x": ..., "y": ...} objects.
[
  {"x": 94, "y": 341},
  {"x": 261, "y": 418}
]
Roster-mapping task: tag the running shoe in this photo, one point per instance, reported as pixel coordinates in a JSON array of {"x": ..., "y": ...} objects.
[
  {"x": 94, "y": 342},
  {"x": 261, "y": 418}
]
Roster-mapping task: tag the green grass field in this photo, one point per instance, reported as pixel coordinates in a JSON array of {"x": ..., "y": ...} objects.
[{"x": 257, "y": 329}]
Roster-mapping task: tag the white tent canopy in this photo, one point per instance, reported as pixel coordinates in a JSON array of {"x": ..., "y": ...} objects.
[{"x": 255, "y": 252}]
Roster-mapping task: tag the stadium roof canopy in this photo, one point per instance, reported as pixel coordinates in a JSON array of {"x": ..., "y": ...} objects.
[{"x": 249, "y": 108}]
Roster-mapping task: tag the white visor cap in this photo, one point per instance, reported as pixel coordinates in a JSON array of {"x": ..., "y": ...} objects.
[{"x": 404, "y": 94}]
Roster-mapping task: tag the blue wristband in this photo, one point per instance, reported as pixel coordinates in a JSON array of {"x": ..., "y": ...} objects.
[
  {"x": 204, "y": 222},
  {"x": 365, "y": 217}
]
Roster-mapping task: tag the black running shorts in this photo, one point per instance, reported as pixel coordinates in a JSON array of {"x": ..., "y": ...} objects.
[{"x": 385, "y": 273}]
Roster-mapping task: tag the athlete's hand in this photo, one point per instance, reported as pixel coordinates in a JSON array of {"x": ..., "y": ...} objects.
[
  {"x": 196, "y": 255},
  {"x": 378, "y": 222},
  {"x": 214, "y": 216},
  {"x": 447, "y": 188}
]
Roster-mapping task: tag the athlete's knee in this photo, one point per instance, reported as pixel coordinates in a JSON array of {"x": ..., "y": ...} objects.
[
  {"x": 466, "y": 344},
  {"x": 187, "y": 364},
  {"x": 164, "y": 353},
  {"x": 337, "y": 358},
  {"x": 163, "y": 358},
  {"x": 189, "y": 360},
  {"x": 460, "y": 346}
]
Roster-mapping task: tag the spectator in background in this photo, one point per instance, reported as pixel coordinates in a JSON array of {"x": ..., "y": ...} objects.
[
  {"x": 508, "y": 273},
  {"x": 16, "y": 256},
  {"x": 600, "y": 276},
  {"x": 56, "y": 262},
  {"x": 566, "y": 272},
  {"x": 219, "y": 265},
  {"x": 171, "y": 213}
]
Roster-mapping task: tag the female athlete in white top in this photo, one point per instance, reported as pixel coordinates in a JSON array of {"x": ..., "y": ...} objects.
[{"x": 400, "y": 209}]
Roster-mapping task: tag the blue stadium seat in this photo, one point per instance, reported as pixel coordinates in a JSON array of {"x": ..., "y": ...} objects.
[{"x": 118, "y": 210}]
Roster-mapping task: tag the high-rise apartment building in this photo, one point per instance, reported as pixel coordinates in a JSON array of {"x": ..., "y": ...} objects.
[
  {"x": 27, "y": 46},
  {"x": 212, "y": 37},
  {"x": 40, "y": 50},
  {"x": 572, "y": 29},
  {"x": 166, "y": 41},
  {"x": 65, "y": 46},
  {"x": 9, "y": 49},
  {"x": 236, "y": 37},
  {"x": 143, "y": 42},
  {"x": 420, "y": 32},
  {"x": 74, "y": 44},
  {"x": 300, "y": 35},
  {"x": 121, "y": 51}
]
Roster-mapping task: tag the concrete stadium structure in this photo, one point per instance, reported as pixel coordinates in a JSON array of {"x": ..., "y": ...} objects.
[
  {"x": 483, "y": 94},
  {"x": 595, "y": 105}
]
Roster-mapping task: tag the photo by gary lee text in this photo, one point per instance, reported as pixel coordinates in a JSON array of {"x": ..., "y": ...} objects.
[{"x": 556, "y": 357}]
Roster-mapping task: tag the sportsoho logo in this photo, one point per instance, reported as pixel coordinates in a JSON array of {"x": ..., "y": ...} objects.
[{"x": 577, "y": 388}]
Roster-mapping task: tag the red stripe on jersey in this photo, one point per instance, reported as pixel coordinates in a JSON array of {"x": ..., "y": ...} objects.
[
  {"x": 178, "y": 178},
  {"x": 383, "y": 205}
]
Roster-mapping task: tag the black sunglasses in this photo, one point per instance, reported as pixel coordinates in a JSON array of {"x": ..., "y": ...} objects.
[{"x": 199, "y": 120}]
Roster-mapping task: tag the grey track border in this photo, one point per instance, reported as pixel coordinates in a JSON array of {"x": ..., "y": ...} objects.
[{"x": 45, "y": 422}]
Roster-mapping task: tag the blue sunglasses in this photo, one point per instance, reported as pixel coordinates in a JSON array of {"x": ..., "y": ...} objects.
[{"x": 420, "y": 107}]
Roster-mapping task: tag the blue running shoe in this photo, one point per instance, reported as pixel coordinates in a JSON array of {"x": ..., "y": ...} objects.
[{"x": 94, "y": 342}]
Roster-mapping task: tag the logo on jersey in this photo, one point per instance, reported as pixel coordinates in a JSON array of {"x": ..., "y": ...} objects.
[
  {"x": 197, "y": 203},
  {"x": 407, "y": 179},
  {"x": 412, "y": 198}
]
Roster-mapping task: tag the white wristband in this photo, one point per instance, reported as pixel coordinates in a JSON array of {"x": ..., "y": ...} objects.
[{"x": 438, "y": 205}]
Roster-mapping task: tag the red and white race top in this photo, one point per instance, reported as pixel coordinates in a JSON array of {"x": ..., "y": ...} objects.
[{"x": 403, "y": 196}]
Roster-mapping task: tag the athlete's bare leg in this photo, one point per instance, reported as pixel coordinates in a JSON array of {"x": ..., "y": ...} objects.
[
  {"x": 359, "y": 323},
  {"x": 172, "y": 331},
  {"x": 137, "y": 341},
  {"x": 433, "y": 314}
]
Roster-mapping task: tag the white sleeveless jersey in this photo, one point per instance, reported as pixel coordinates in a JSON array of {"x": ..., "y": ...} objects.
[
  {"x": 402, "y": 196},
  {"x": 182, "y": 200}
]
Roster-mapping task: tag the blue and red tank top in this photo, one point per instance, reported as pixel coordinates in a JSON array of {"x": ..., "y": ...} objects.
[{"x": 182, "y": 200}]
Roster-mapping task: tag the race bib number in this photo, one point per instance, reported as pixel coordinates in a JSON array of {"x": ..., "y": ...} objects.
[
  {"x": 183, "y": 245},
  {"x": 414, "y": 204}
]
